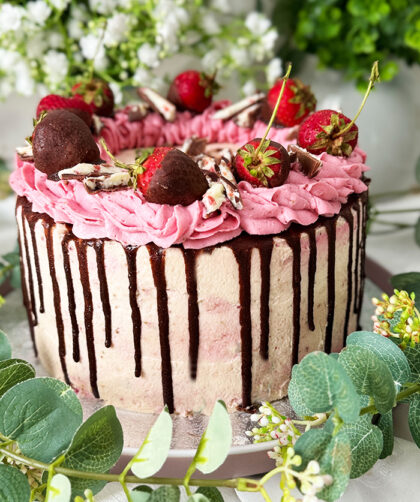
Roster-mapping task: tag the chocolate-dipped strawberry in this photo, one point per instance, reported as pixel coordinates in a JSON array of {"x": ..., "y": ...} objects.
[
  {"x": 75, "y": 105},
  {"x": 192, "y": 90},
  {"x": 97, "y": 94},
  {"x": 331, "y": 131},
  {"x": 263, "y": 162},
  {"x": 61, "y": 140}
]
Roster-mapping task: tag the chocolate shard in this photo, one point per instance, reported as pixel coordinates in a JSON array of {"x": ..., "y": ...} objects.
[
  {"x": 230, "y": 111},
  {"x": 214, "y": 198},
  {"x": 107, "y": 183},
  {"x": 223, "y": 168},
  {"x": 309, "y": 164},
  {"x": 137, "y": 111},
  {"x": 248, "y": 117},
  {"x": 25, "y": 152},
  {"x": 158, "y": 103},
  {"x": 83, "y": 170},
  {"x": 194, "y": 146}
]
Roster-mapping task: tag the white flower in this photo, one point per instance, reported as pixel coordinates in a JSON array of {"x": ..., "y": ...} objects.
[
  {"x": 149, "y": 55},
  {"x": 273, "y": 70},
  {"x": 56, "y": 67},
  {"x": 239, "y": 55},
  {"x": 39, "y": 11},
  {"x": 116, "y": 89},
  {"x": 79, "y": 12},
  {"x": 248, "y": 89},
  {"x": 116, "y": 29},
  {"x": 24, "y": 82},
  {"x": 257, "y": 23},
  {"x": 91, "y": 46},
  {"x": 269, "y": 39},
  {"x": 167, "y": 33},
  {"x": 60, "y": 4},
  {"x": 102, "y": 6},
  {"x": 10, "y": 18},
  {"x": 222, "y": 5},
  {"x": 210, "y": 24},
  {"x": 143, "y": 77},
  {"x": 75, "y": 28},
  {"x": 8, "y": 59},
  {"x": 37, "y": 47},
  {"x": 211, "y": 60}
]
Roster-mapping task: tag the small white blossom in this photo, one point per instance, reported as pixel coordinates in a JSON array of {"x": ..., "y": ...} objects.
[
  {"x": 92, "y": 47},
  {"x": 39, "y": 11},
  {"x": 210, "y": 24},
  {"x": 248, "y": 89},
  {"x": 75, "y": 28},
  {"x": 59, "y": 4},
  {"x": 102, "y": 6},
  {"x": 273, "y": 70},
  {"x": 116, "y": 89},
  {"x": 56, "y": 67},
  {"x": 117, "y": 28},
  {"x": 269, "y": 39},
  {"x": 222, "y": 5},
  {"x": 211, "y": 60},
  {"x": 24, "y": 82},
  {"x": 167, "y": 33},
  {"x": 10, "y": 18},
  {"x": 143, "y": 77},
  {"x": 8, "y": 59},
  {"x": 37, "y": 47},
  {"x": 257, "y": 23},
  {"x": 55, "y": 40},
  {"x": 149, "y": 55},
  {"x": 239, "y": 55}
]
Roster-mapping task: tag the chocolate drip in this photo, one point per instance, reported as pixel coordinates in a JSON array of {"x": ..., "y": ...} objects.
[
  {"x": 265, "y": 260},
  {"x": 363, "y": 253},
  {"x": 330, "y": 227},
  {"x": 31, "y": 290},
  {"x": 37, "y": 269},
  {"x": 193, "y": 310},
  {"x": 48, "y": 224},
  {"x": 87, "y": 295},
  {"x": 243, "y": 257},
  {"x": 131, "y": 254},
  {"x": 356, "y": 267},
  {"x": 70, "y": 295},
  {"x": 294, "y": 242},
  {"x": 103, "y": 286},
  {"x": 348, "y": 216},
  {"x": 311, "y": 276},
  {"x": 157, "y": 262}
]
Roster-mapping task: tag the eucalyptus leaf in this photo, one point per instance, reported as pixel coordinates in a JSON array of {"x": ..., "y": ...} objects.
[
  {"x": 5, "y": 347},
  {"x": 165, "y": 494},
  {"x": 413, "y": 357},
  {"x": 386, "y": 426},
  {"x": 198, "y": 497},
  {"x": 211, "y": 492},
  {"x": 386, "y": 350},
  {"x": 96, "y": 447},
  {"x": 14, "y": 486},
  {"x": 216, "y": 441},
  {"x": 370, "y": 375},
  {"x": 311, "y": 445},
  {"x": 408, "y": 281},
  {"x": 366, "y": 446},
  {"x": 155, "y": 448},
  {"x": 59, "y": 489},
  {"x": 42, "y": 414},
  {"x": 320, "y": 384},
  {"x": 141, "y": 493},
  {"x": 13, "y": 371},
  {"x": 414, "y": 418}
]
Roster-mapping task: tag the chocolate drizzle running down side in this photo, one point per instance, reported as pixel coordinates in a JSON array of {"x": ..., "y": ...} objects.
[
  {"x": 30, "y": 291},
  {"x": 356, "y": 268},
  {"x": 311, "y": 276},
  {"x": 265, "y": 261},
  {"x": 348, "y": 216},
  {"x": 131, "y": 254},
  {"x": 157, "y": 262},
  {"x": 193, "y": 310},
  {"x": 363, "y": 254},
  {"x": 88, "y": 313},
  {"x": 37, "y": 269},
  {"x": 70, "y": 294},
  {"x": 103, "y": 286},
  {"x": 243, "y": 257},
  {"x": 330, "y": 227},
  {"x": 295, "y": 245}
]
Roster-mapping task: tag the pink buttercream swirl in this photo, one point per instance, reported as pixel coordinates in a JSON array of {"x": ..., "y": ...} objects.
[{"x": 127, "y": 217}]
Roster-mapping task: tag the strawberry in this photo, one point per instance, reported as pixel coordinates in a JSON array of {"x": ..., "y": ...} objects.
[
  {"x": 192, "y": 90},
  {"x": 297, "y": 102},
  {"x": 74, "y": 105},
  {"x": 331, "y": 131},
  {"x": 263, "y": 162},
  {"x": 97, "y": 94}
]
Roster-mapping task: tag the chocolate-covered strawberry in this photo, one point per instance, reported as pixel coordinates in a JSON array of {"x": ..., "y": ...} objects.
[
  {"x": 192, "y": 90},
  {"x": 61, "y": 140},
  {"x": 75, "y": 105},
  {"x": 261, "y": 161},
  {"x": 97, "y": 94},
  {"x": 331, "y": 131}
]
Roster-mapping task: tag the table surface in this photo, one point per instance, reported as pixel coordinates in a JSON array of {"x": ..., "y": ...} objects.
[{"x": 391, "y": 479}]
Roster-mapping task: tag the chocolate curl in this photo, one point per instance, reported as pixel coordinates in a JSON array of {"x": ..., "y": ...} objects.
[
  {"x": 158, "y": 103},
  {"x": 107, "y": 183},
  {"x": 83, "y": 170},
  {"x": 194, "y": 146},
  {"x": 137, "y": 112},
  {"x": 223, "y": 168},
  {"x": 308, "y": 163},
  {"x": 25, "y": 152},
  {"x": 248, "y": 117},
  {"x": 230, "y": 111}
]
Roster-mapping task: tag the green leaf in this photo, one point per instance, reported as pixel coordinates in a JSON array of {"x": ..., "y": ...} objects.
[
  {"x": 366, "y": 445},
  {"x": 42, "y": 414},
  {"x": 96, "y": 447},
  {"x": 14, "y": 486},
  {"x": 409, "y": 281},
  {"x": 13, "y": 371},
  {"x": 141, "y": 493},
  {"x": 59, "y": 489},
  {"x": 414, "y": 418},
  {"x": 320, "y": 384},
  {"x": 386, "y": 350},
  {"x": 216, "y": 441},
  {"x": 386, "y": 425},
  {"x": 413, "y": 357},
  {"x": 5, "y": 347},
  {"x": 165, "y": 494},
  {"x": 418, "y": 170},
  {"x": 198, "y": 497},
  {"x": 417, "y": 231},
  {"x": 212, "y": 493},
  {"x": 370, "y": 375},
  {"x": 311, "y": 445},
  {"x": 155, "y": 448}
]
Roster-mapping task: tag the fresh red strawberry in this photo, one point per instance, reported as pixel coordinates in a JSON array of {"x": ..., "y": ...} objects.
[
  {"x": 192, "y": 90},
  {"x": 296, "y": 104},
  {"x": 322, "y": 132},
  {"x": 74, "y": 105},
  {"x": 150, "y": 165},
  {"x": 97, "y": 94}
]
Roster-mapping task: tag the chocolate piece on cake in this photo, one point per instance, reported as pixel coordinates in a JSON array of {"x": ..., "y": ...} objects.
[
  {"x": 248, "y": 117},
  {"x": 194, "y": 146},
  {"x": 137, "y": 111},
  {"x": 158, "y": 103},
  {"x": 108, "y": 182},
  {"x": 25, "y": 153},
  {"x": 309, "y": 164},
  {"x": 230, "y": 111}
]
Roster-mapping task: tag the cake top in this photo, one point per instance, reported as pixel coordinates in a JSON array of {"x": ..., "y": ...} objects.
[{"x": 185, "y": 170}]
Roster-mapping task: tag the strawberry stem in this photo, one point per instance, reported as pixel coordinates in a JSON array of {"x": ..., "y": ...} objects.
[
  {"x": 273, "y": 115},
  {"x": 374, "y": 77},
  {"x": 117, "y": 162}
]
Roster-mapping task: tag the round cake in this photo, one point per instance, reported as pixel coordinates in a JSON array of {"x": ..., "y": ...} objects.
[{"x": 143, "y": 303}]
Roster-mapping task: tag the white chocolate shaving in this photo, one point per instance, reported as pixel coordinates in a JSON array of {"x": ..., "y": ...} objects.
[
  {"x": 25, "y": 151},
  {"x": 235, "y": 108},
  {"x": 247, "y": 117},
  {"x": 107, "y": 182},
  {"x": 214, "y": 198},
  {"x": 159, "y": 103},
  {"x": 85, "y": 169}
]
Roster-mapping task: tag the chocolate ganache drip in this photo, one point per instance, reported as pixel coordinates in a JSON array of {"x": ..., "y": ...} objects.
[
  {"x": 103, "y": 286},
  {"x": 131, "y": 254},
  {"x": 311, "y": 276},
  {"x": 330, "y": 227},
  {"x": 193, "y": 310}
]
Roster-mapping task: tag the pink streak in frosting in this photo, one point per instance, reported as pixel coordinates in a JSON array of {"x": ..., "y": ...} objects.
[{"x": 127, "y": 217}]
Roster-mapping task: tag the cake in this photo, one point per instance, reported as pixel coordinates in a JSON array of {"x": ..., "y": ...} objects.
[{"x": 143, "y": 304}]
